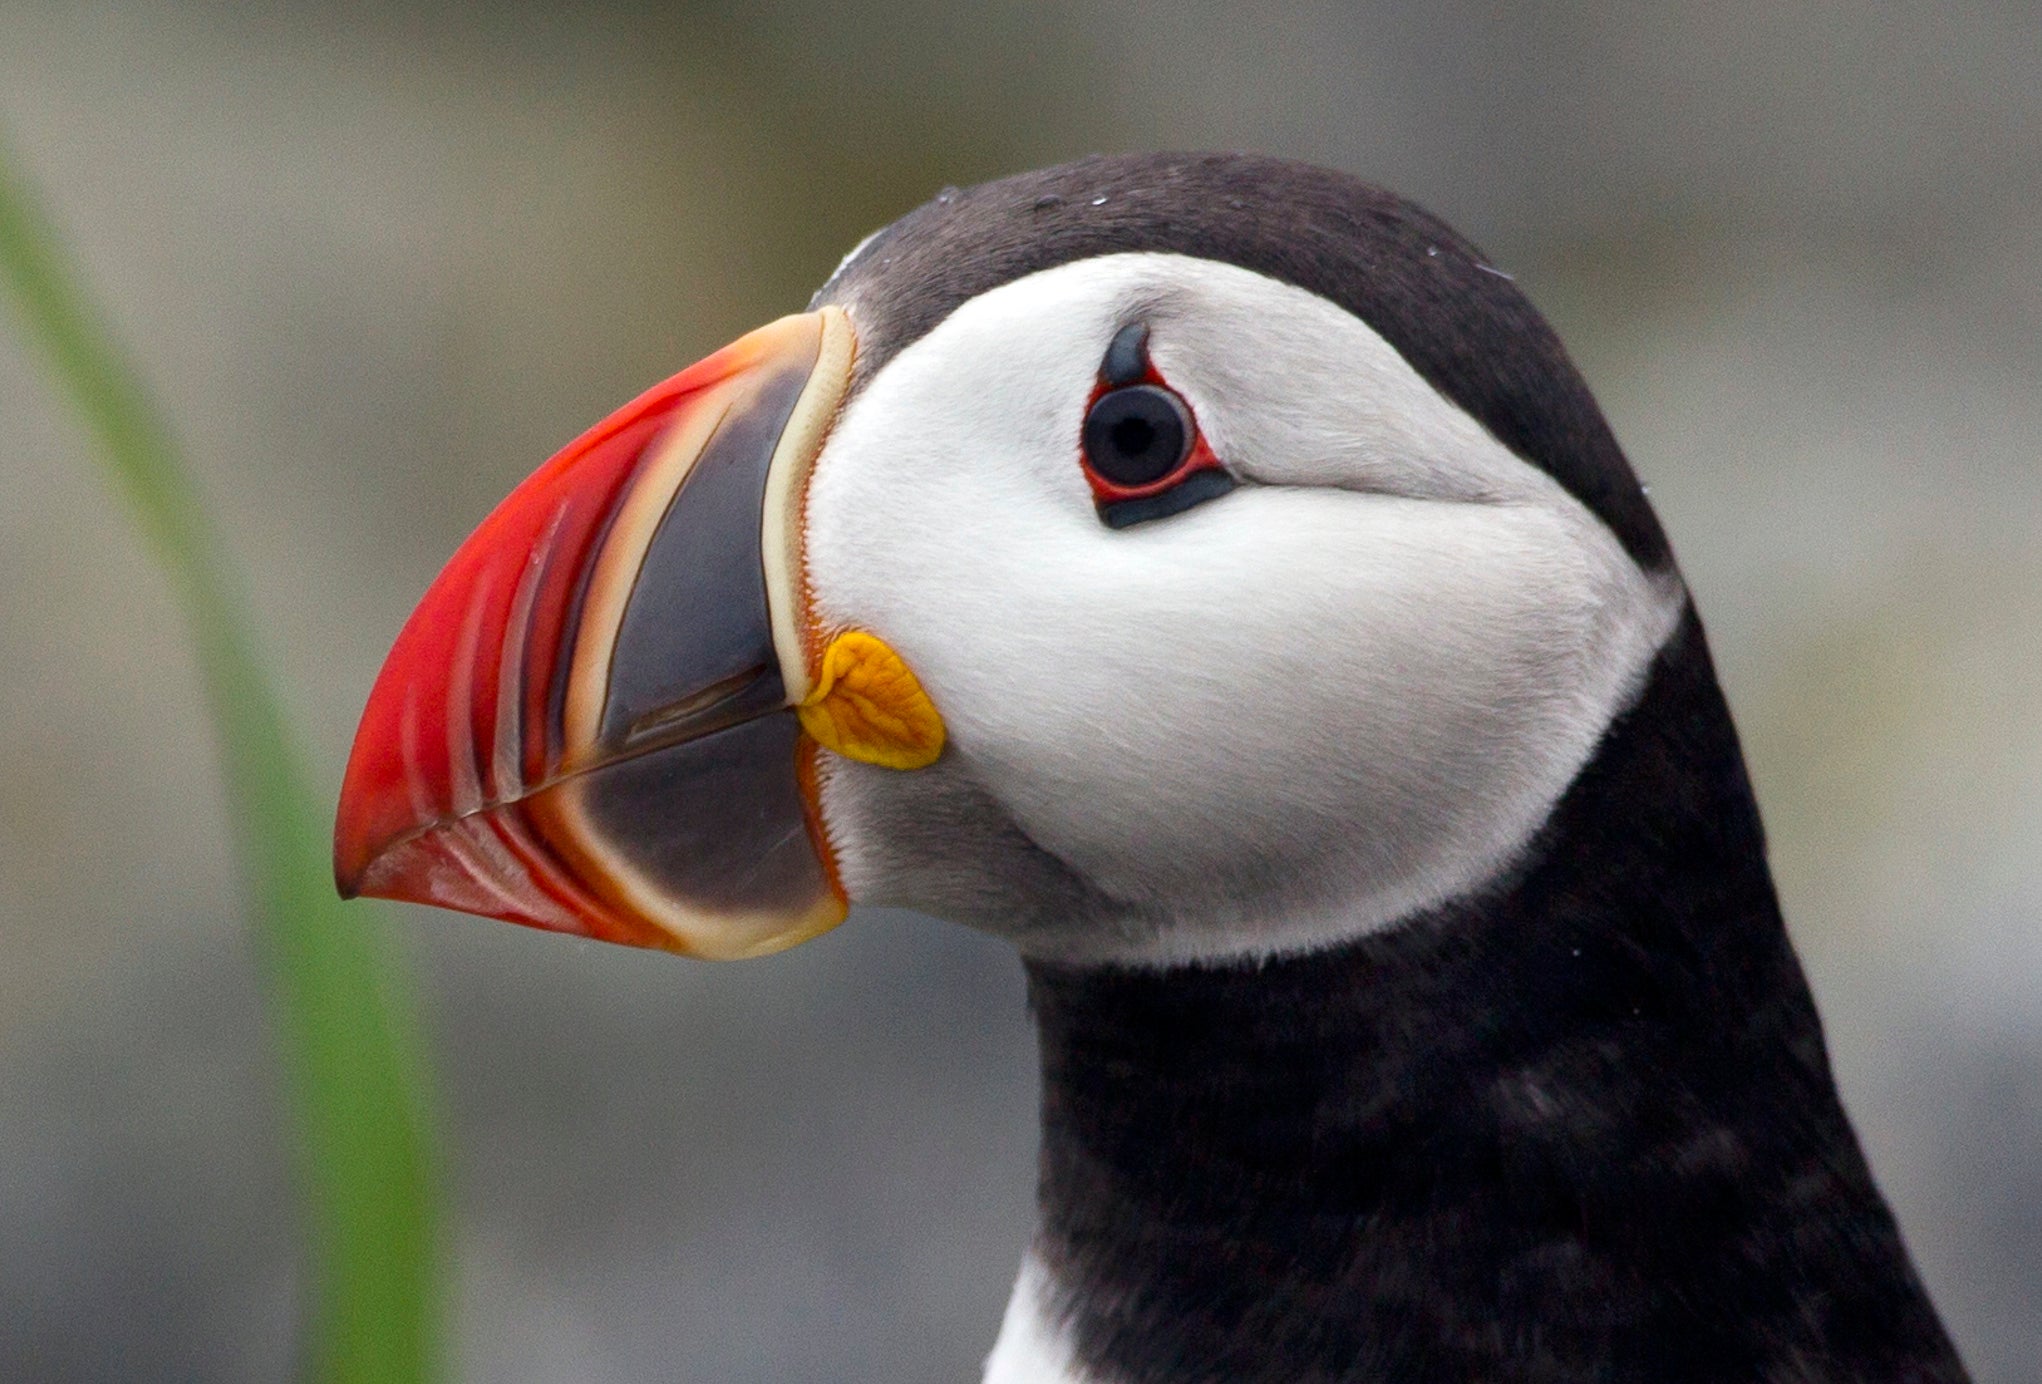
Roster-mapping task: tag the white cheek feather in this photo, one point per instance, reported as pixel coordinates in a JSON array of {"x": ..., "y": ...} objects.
[{"x": 1350, "y": 690}]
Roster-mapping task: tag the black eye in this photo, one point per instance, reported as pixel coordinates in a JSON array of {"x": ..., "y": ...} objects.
[{"x": 1137, "y": 435}]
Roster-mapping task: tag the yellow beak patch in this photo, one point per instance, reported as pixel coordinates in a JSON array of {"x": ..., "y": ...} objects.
[{"x": 868, "y": 705}]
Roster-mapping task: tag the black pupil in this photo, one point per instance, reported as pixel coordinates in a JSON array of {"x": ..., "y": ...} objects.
[
  {"x": 1133, "y": 436},
  {"x": 1137, "y": 435}
]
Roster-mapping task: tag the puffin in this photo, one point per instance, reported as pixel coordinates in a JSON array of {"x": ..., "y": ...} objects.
[{"x": 1209, "y": 574}]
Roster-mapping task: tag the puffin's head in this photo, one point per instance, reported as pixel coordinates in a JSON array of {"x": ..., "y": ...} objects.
[{"x": 1145, "y": 559}]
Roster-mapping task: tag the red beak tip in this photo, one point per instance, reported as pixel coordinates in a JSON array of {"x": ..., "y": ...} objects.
[{"x": 350, "y": 861}]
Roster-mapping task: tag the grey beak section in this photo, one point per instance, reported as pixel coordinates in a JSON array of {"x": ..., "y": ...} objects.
[
  {"x": 694, "y": 653},
  {"x": 716, "y": 821}
]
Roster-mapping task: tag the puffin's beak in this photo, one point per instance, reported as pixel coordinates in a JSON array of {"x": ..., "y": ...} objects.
[{"x": 594, "y": 721}]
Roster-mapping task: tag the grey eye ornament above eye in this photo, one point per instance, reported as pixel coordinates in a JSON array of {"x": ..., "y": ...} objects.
[{"x": 1143, "y": 453}]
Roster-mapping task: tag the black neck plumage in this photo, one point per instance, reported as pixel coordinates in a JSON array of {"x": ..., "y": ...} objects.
[{"x": 1581, "y": 1129}]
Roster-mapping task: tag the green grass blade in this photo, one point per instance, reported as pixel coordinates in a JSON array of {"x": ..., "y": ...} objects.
[{"x": 344, "y": 1021}]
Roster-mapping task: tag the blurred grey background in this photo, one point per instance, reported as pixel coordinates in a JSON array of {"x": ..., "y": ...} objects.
[{"x": 381, "y": 261}]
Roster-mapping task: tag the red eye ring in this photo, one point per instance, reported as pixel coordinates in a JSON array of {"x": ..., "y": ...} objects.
[{"x": 1134, "y": 419}]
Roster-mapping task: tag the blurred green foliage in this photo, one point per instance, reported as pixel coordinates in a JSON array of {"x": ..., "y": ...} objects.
[{"x": 343, "y": 1018}]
